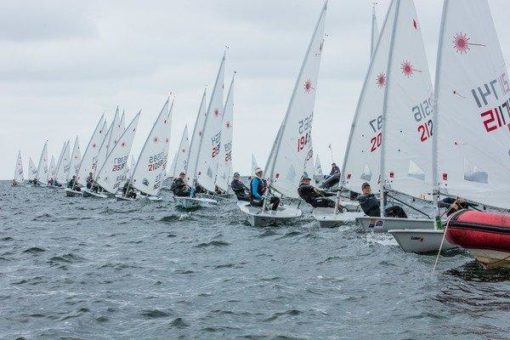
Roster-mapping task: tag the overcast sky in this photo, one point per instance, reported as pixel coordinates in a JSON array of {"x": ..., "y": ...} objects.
[{"x": 64, "y": 63}]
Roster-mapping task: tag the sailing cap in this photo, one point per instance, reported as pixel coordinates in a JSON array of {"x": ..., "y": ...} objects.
[
  {"x": 236, "y": 174},
  {"x": 364, "y": 185},
  {"x": 182, "y": 173},
  {"x": 257, "y": 170}
]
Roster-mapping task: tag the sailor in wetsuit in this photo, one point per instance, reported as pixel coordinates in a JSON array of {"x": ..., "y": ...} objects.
[
  {"x": 258, "y": 191},
  {"x": 242, "y": 192},
  {"x": 314, "y": 196},
  {"x": 180, "y": 187},
  {"x": 73, "y": 185},
  {"x": 371, "y": 205},
  {"x": 128, "y": 191}
]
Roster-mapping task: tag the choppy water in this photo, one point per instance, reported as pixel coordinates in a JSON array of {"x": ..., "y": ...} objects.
[{"x": 84, "y": 268}]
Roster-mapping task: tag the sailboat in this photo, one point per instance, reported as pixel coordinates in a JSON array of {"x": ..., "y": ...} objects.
[
  {"x": 73, "y": 164},
  {"x": 87, "y": 162},
  {"x": 224, "y": 174},
  {"x": 54, "y": 183},
  {"x": 362, "y": 155},
  {"x": 292, "y": 153},
  {"x": 318, "y": 174},
  {"x": 149, "y": 172},
  {"x": 18, "y": 171},
  {"x": 407, "y": 123},
  {"x": 62, "y": 166},
  {"x": 470, "y": 154},
  {"x": 32, "y": 171},
  {"x": 180, "y": 160},
  {"x": 110, "y": 139},
  {"x": 205, "y": 146},
  {"x": 41, "y": 179},
  {"x": 112, "y": 173},
  {"x": 53, "y": 167}
]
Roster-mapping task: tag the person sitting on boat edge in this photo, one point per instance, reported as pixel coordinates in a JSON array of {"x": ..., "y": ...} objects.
[
  {"x": 128, "y": 191},
  {"x": 258, "y": 191},
  {"x": 371, "y": 205},
  {"x": 313, "y": 196},
  {"x": 73, "y": 185},
  {"x": 334, "y": 169},
  {"x": 242, "y": 192},
  {"x": 14, "y": 183},
  {"x": 453, "y": 204},
  {"x": 180, "y": 187},
  {"x": 90, "y": 180}
]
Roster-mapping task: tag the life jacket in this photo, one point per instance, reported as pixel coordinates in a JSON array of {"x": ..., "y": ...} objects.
[{"x": 260, "y": 189}]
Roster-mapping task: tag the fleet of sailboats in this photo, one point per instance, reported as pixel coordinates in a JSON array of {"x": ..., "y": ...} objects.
[{"x": 413, "y": 142}]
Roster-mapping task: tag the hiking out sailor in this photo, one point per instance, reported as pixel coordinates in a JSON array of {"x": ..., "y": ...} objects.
[
  {"x": 128, "y": 191},
  {"x": 313, "y": 196},
  {"x": 90, "y": 180},
  {"x": 259, "y": 191},
  {"x": 180, "y": 187},
  {"x": 334, "y": 169},
  {"x": 73, "y": 185},
  {"x": 371, "y": 205},
  {"x": 242, "y": 192}
]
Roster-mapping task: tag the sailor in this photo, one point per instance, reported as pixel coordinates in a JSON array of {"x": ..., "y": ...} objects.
[
  {"x": 14, "y": 183},
  {"x": 371, "y": 205},
  {"x": 128, "y": 190},
  {"x": 453, "y": 204},
  {"x": 73, "y": 185},
  {"x": 90, "y": 181},
  {"x": 259, "y": 191},
  {"x": 334, "y": 169},
  {"x": 313, "y": 196},
  {"x": 180, "y": 187},
  {"x": 242, "y": 192}
]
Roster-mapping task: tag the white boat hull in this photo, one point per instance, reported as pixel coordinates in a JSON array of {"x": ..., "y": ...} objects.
[
  {"x": 73, "y": 193},
  {"x": 88, "y": 193},
  {"x": 257, "y": 217},
  {"x": 193, "y": 202},
  {"x": 491, "y": 258},
  {"x": 327, "y": 217},
  {"x": 383, "y": 224},
  {"x": 421, "y": 241}
]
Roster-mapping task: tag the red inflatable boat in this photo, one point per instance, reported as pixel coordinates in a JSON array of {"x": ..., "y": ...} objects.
[{"x": 486, "y": 235}]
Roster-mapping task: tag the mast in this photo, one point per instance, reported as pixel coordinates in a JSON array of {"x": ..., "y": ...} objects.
[
  {"x": 374, "y": 39},
  {"x": 278, "y": 141},
  {"x": 435, "y": 113},
  {"x": 196, "y": 137},
  {"x": 382, "y": 172}
]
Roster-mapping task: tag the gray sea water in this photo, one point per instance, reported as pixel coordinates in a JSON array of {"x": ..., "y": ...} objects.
[{"x": 101, "y": 269}]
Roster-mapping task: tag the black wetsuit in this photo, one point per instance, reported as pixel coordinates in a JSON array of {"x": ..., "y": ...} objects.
[
  {"x": 128, "y": 191},
  {"x": 309, "y": 194},
  {"x": 180, "y": 188},
  {"x": 241, "y": 191},
  {"x": 371, "y": 206}
]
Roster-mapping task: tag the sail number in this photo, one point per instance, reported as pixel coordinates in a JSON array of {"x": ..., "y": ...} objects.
[
  {"x": 157, "y": 161},
  {"x": 498, "y": 116},
  {"x": 303, "y": 141},
  {"x": 425, "y": 130},
  {"x": 305, "y": 125},
  {"x": 376, "y": 125},
  {"x": 216, "y": 144},
  {"x": 421, "y": 113}
]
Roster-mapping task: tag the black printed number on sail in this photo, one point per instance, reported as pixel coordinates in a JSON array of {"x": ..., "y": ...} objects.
[
  {"x": 216, "y": 144},
  {"x": 228, "y": 152},
  {"x": 376, "y": 140},
  {"x": 421, "y": 114},
  {"x": 119, "y": 163},
  {"x": 304, "y": 129},
  {"x": 497, "y": 115}
]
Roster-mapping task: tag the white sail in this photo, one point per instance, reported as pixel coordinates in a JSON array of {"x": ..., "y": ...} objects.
[
  {"x": 18, "y": 172},
  {"x": 374, "y": 34},
  {"x": 149, "y": 172},
  {"x": 42, "y": 168},
  {"x": 407, "y": 116},
  {"x": 224, "y": 174},
  {"x": 180, "y": 160},
  {"x": 32, "y": 170},
  {"x": 473, "y": 105},
  {"x": 113, "y": 171},
  {"x": 53, "y": 167},
  {"x": 118, "y": 130},
  {"x": 108, "y": 142},
  {"x": 253, "y": 165},
  {"x": 318, "y": 167},
  {"x": 293, "y": 152},
  {"x": 210, "y": 143},
  {"x": 196, "y": 139},
  {"x": 74, "y": 162},
  {"x": 63, "y": 164},
  {"x": 87, "y": 162},
  {"x": 363, "y": 153}
]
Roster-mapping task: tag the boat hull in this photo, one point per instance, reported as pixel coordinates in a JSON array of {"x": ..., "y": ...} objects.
[
  {"x": 257, "y": 217},
  {"x": 485, "y": 235},
  {"x": 327, "y": 217},
  {"x": 421, "y": 241},
  {"x": 193, "y": 202},
  {"x": 383, "y": 224},
  {"x": 88, "y": 193},
  {"x": 73, "y": 193}
]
